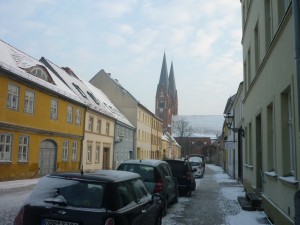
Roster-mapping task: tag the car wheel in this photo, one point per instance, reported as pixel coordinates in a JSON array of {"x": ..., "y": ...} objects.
[
  {"x": 165, "y": 207},
  {"x": 188, "y": 193},
  {"x": 176, "y": 197}
]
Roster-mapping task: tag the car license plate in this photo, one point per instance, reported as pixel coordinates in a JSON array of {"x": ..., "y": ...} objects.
[{"x": 56, "y": 222}]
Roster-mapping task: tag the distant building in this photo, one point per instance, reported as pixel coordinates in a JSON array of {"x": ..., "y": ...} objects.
[
  {"x": 166, "y": 100},
  {"x": 204, "y": 130}
]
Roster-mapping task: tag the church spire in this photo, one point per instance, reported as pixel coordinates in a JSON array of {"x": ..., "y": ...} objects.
[
  {"x": 172, "y": 85},
  {"x": 163, "y": 81}
]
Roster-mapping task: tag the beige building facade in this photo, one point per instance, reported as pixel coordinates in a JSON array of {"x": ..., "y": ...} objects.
[
  {"x": 138, "y": 115},
  {"x": 270, "y": 110}
]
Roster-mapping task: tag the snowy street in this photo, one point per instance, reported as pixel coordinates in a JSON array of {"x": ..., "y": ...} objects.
[{"x": 213, "y": 203}]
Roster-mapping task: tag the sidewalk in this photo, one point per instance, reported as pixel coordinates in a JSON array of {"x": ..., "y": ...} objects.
[{"x": 5, "y": 185}]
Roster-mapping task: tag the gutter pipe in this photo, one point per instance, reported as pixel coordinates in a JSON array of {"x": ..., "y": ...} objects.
[{"x": 296, "y": 17}]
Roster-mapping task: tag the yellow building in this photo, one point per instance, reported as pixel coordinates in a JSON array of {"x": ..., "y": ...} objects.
[
  {"x": 156, "y": 137},
  {"x": 41, "y": 119}
]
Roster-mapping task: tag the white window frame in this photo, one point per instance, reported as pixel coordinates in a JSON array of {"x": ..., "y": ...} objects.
[
  {"x": 23, "y": 149},
  {"x": 99, "y": 123},
  {"x": 54, "y": 109},
  {"x": 6, "y": 141},
  {"x": 291, "y": 134},
  {"x": 13, "y": 95},
  {"x": 97, "y": 153},
  {"x": 74, "y": 151},
  {"x": 89, "y": 153},
  {"x": 107, "y": 128},
  {"x": 65, "y": 151},
  {"x": 29, "y": 102},
  {"x": 70, "y": 114},
  {"x": 78, "y": 116},
  {"x": 91, "y": 123}
]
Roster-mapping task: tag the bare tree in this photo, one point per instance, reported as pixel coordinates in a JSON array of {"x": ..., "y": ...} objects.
[{"x": 181, "y": 130}]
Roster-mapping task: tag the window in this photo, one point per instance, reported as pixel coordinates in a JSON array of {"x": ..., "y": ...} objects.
[
  {"x": 257, "y": 47},
  {"x": 288, "y": 139},
  {"x": 13, "y": 97},
  {"x": 79, "y": 90},
  {"x": 29, "y": 102},
  {"x": 78, "y": 117},
  {"x": 89, "y": 153},
  {"x": 74, "y": 151},
  {"x": 38, "y": 72},
  {"x": 268, "y": 22},
  {"x": 107, "y": 128},
  {"x": 53, "y": 110},
  {"x": 97, "y": 155},
  {"x": 5, "y": 147},
  {"x": 91, "y": 123},
  {"x": 23, "y": 149},
  {"x": 140, "y": 190},
  {"x": 70, "y": 114},
  {"x": 99, "y": 126},
  {"x": 125, "y": 195},
  {"x": 93, "y": 97},
  {"x": 271, "y": 138},
  {"x": 65, "y": 151}
]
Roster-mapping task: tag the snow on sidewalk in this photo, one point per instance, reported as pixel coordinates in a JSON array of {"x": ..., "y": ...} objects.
[{"x": 5, "y": 185}]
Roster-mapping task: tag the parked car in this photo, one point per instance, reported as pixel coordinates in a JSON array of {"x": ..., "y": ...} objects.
[
  {"x": 158, "y": 178},
  {"x": 197, "y": 166},
  {"x": 183, "y": 172},
  {"x": 197, "y": 157},
  {"x": 107, "y": 197}
]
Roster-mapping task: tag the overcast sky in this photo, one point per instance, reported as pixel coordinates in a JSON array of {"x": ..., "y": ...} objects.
[{"x": 128, "y": 38}]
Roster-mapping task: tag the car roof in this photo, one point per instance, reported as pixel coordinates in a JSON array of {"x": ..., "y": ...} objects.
[
  {"x": 149, "y": 162},
  {"x": 195, "y": 155},
  {"x": 99, "y": 175}
]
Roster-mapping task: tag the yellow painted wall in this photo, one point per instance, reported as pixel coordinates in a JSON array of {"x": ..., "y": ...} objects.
[{"x": 39, "y": 127}]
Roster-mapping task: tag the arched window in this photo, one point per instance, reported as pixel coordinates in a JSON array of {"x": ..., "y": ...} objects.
[{"x": 39, "y": 72}]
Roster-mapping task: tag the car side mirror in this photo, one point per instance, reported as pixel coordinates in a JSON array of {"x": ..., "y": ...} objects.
[{"x": 156, "y": 197}]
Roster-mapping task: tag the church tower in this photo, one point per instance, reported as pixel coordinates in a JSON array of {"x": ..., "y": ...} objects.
[{"x": 166, "y": 101}]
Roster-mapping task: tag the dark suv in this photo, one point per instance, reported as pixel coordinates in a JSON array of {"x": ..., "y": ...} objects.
[
  {"x": 102, "y": 198},
  {"x": 183, "y": 172},
  {"x": 158, "y": 178}
]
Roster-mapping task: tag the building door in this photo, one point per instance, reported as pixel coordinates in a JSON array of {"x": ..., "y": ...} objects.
[
  {"x": 105, "y": 164},
  {"x": 47, "y": 157}
]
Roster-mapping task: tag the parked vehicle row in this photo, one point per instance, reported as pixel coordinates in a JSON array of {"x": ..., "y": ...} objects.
[
  {"x": 107, "y": 197},
  {"x": 138, "y": 192}
]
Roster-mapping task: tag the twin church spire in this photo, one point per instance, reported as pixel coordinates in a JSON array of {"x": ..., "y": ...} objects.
[{"x": 166, "y": 101}]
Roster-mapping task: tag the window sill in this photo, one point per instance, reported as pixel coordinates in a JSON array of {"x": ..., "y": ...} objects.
[
  {"x": 23, "y": 161},
  {"x": 290, "y": 181},
  {"x": 248, "y": 166},
  {"x": 5, "y": 161},
  {"x": 271, "y": 174}
]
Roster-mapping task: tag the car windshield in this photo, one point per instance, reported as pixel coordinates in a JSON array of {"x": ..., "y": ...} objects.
[
  {"x": 193, "y": 163},
  {"x": 145, "y": 171},
  {"x": 68, "y": 192},
  {"x": 196, "y": 158}
]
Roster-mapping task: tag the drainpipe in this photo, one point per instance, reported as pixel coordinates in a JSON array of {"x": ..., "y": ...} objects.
[{"x": 296, "y": 17}]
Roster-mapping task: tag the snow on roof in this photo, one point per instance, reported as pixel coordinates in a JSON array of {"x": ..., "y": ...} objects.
[
  {"x": 203, "y": 125},
  {"x": 116, "y": 113},
  {"x": 94, "y": 98},
  {"x": 16, "y": 62}
]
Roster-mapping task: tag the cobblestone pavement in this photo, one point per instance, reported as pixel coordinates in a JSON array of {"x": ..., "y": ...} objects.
[
  {"x": 207, "y": 205},
  {"x": 10, "y": 202}
]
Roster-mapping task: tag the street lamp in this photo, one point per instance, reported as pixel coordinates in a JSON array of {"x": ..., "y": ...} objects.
[
  {"x": 229, "y": 121},
  {"x": 119, "y": 138}
]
